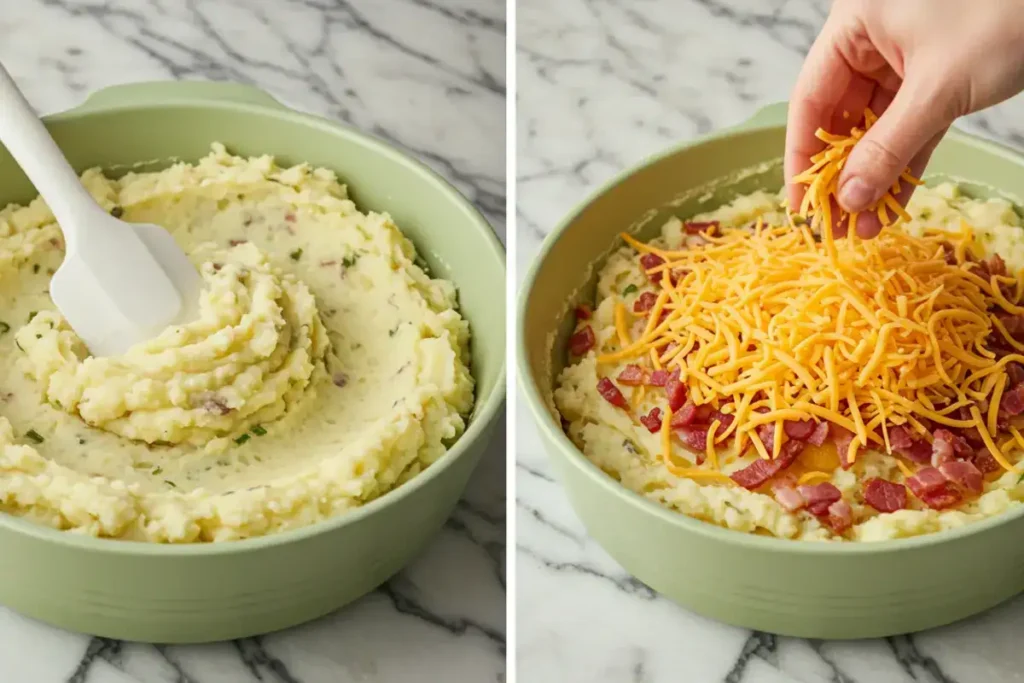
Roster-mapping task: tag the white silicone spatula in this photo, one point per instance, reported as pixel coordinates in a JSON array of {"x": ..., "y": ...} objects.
[{"x": 120, "y": 283}]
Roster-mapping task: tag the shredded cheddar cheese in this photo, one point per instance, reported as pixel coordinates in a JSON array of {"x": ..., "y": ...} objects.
[
  {"x": 822, "y": 181},
  {"x": 881, "y": 333}
]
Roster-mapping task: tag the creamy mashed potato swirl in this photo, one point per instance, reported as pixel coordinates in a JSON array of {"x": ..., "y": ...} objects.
[
  {"x": 326, "y": 367},
  {"x": 249, "y": 357}
]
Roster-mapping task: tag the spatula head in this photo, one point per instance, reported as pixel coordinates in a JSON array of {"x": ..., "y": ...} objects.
[{"x": 125, "y": 284}]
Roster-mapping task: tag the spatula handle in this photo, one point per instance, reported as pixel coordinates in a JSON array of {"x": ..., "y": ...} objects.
[{"x": 28, "y": 141}]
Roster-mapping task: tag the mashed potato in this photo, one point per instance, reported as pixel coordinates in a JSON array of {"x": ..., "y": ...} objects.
[
  {"x": 326, "y": 366},
  {"x": 626, "y": 450}
]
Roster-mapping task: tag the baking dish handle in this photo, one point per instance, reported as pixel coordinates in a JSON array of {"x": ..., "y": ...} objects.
[
  {"x": 768, "y": 116},
  {"x": 175, "y": 92}
]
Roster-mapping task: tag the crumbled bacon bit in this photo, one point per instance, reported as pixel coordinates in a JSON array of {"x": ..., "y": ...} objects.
[
  {"x": 235, "y": 243},
  {"x": 819, "y": 496},
  {"x": 1014, "y": 374},
  {"x": 943, "y": 497},
  {"x": 819, "y": 435},
  {"x": 327, "y": 264},
  {"x": 724, "y": 420},
  {"x": 754, "y": 475},
  {"x": 996, "y": 265},
  {"x": 1013, "y": 400},
  {"x": 695, "y": 438},
  {"x": 700, "y": 227},
  {"x": 611, "y": 393},
  {"x": 964, "y": 474},
  {"x": 766, "y": 433},
  {"x": 942, "y": 450},
  {"x": 584, "y": 312},
  {"x": 799, "y": 429},
  {"x": 648, "y": 261},
  {"x": 985, "y": 462},
  {"x": 961, "y": 446},
  {"x": 652, "y": 420},
  {"x": 675, "y": 390},
  {"x": 582, "y": 341},
  {"x": 644, "y": 302},
  {"x": 840, "y": 516},
  {"x": 842, "y": 438},
  {"x": 925, "y": 480},
  {"x": 685, "y": 416},
  {"x": 789, "y": 498},
  {"x": 885, "y": 496},
  {"x": 900, "y": 437},
  {"x": 290, "y": 217},
  {"x": 918, "y": 450},
  {"x": 658, "y": 378},
  {"x": 631, "y": 376}
]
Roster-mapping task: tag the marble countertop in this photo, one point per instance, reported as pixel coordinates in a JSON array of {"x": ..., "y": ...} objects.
[
  {"x": 426, "y": 75},
  {"x": 601, "y": 84}
]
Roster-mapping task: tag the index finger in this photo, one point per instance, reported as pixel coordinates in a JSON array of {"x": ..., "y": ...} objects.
[{"x": 823, "y": 80}]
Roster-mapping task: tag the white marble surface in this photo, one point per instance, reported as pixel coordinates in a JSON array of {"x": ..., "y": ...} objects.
[
  {"x": 601, "y": 84},
  {"x": 427, "y": 75}
]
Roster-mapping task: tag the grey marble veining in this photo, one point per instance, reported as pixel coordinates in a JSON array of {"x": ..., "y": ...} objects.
[
  {"x": 602, "y": 84},
  {"x": 425, "y": 75}
]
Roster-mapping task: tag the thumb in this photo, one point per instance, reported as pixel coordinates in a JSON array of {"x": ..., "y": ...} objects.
[{"x": 913, "y": 119}]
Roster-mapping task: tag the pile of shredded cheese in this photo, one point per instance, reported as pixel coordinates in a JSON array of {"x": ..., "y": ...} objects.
[{"x": 771, "y": 325}]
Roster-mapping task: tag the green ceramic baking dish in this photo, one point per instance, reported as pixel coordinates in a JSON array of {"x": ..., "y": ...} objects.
[
  {"x": 805, "y": 589},
  {"x": 204, "y": 592}
]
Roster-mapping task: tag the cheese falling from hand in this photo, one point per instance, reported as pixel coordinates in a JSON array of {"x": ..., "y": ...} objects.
[{"x": 822, "y": 181}]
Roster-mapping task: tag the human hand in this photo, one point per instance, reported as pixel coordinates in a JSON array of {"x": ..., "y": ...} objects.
[{"x": 919, "y": 65}]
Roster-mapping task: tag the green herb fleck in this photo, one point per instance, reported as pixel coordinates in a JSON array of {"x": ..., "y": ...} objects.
[
  {"x": 117, "y": 212},
  {"x": 296, "y": 255},
  {"x": 629, "y": 290},
  {"x": 170, "y": 483},
  {"x": 242, "y": 439},
  {"x": 1021, "y": 478},
  {"x": 35, "y": 268},
  {"x": 32, "y": 315},
  {"x": 81, "y": 442},
  {"x": 4, "y": 327},
  {"x": 34, "y": 436},
  {"x": 158, "y": 470},
  {"x": 393, "y": 332},
  {"x": 39, "y": 336},
  {"x": 349, "y": 261},
  {"x": 259, "y": 431}
]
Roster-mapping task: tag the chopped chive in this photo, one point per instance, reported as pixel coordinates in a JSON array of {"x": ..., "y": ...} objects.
[
  {"x": 170, "y": 483},
  {"x": 158, "y": 470},
  {"x": 1021, "y": 478},
  {"x": 34, "y": 436},
  {"x": 242, "y": 439},
  {"x": 4, "y": 327},
  {"x": 81, "y": 442},
  {"x": 35, "y": 268},
  {"x": 296, "y": 255},
  {"x": 259, "y": 431},
  {"x": 629, "y": 290},
  {"x": 32, "y": 315},
  {"x": 349, "y": 261},
  {"x": 117, "y": 212}
]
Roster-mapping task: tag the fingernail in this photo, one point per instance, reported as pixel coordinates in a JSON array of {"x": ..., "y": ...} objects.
[{"x": 856, "y": 195}]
